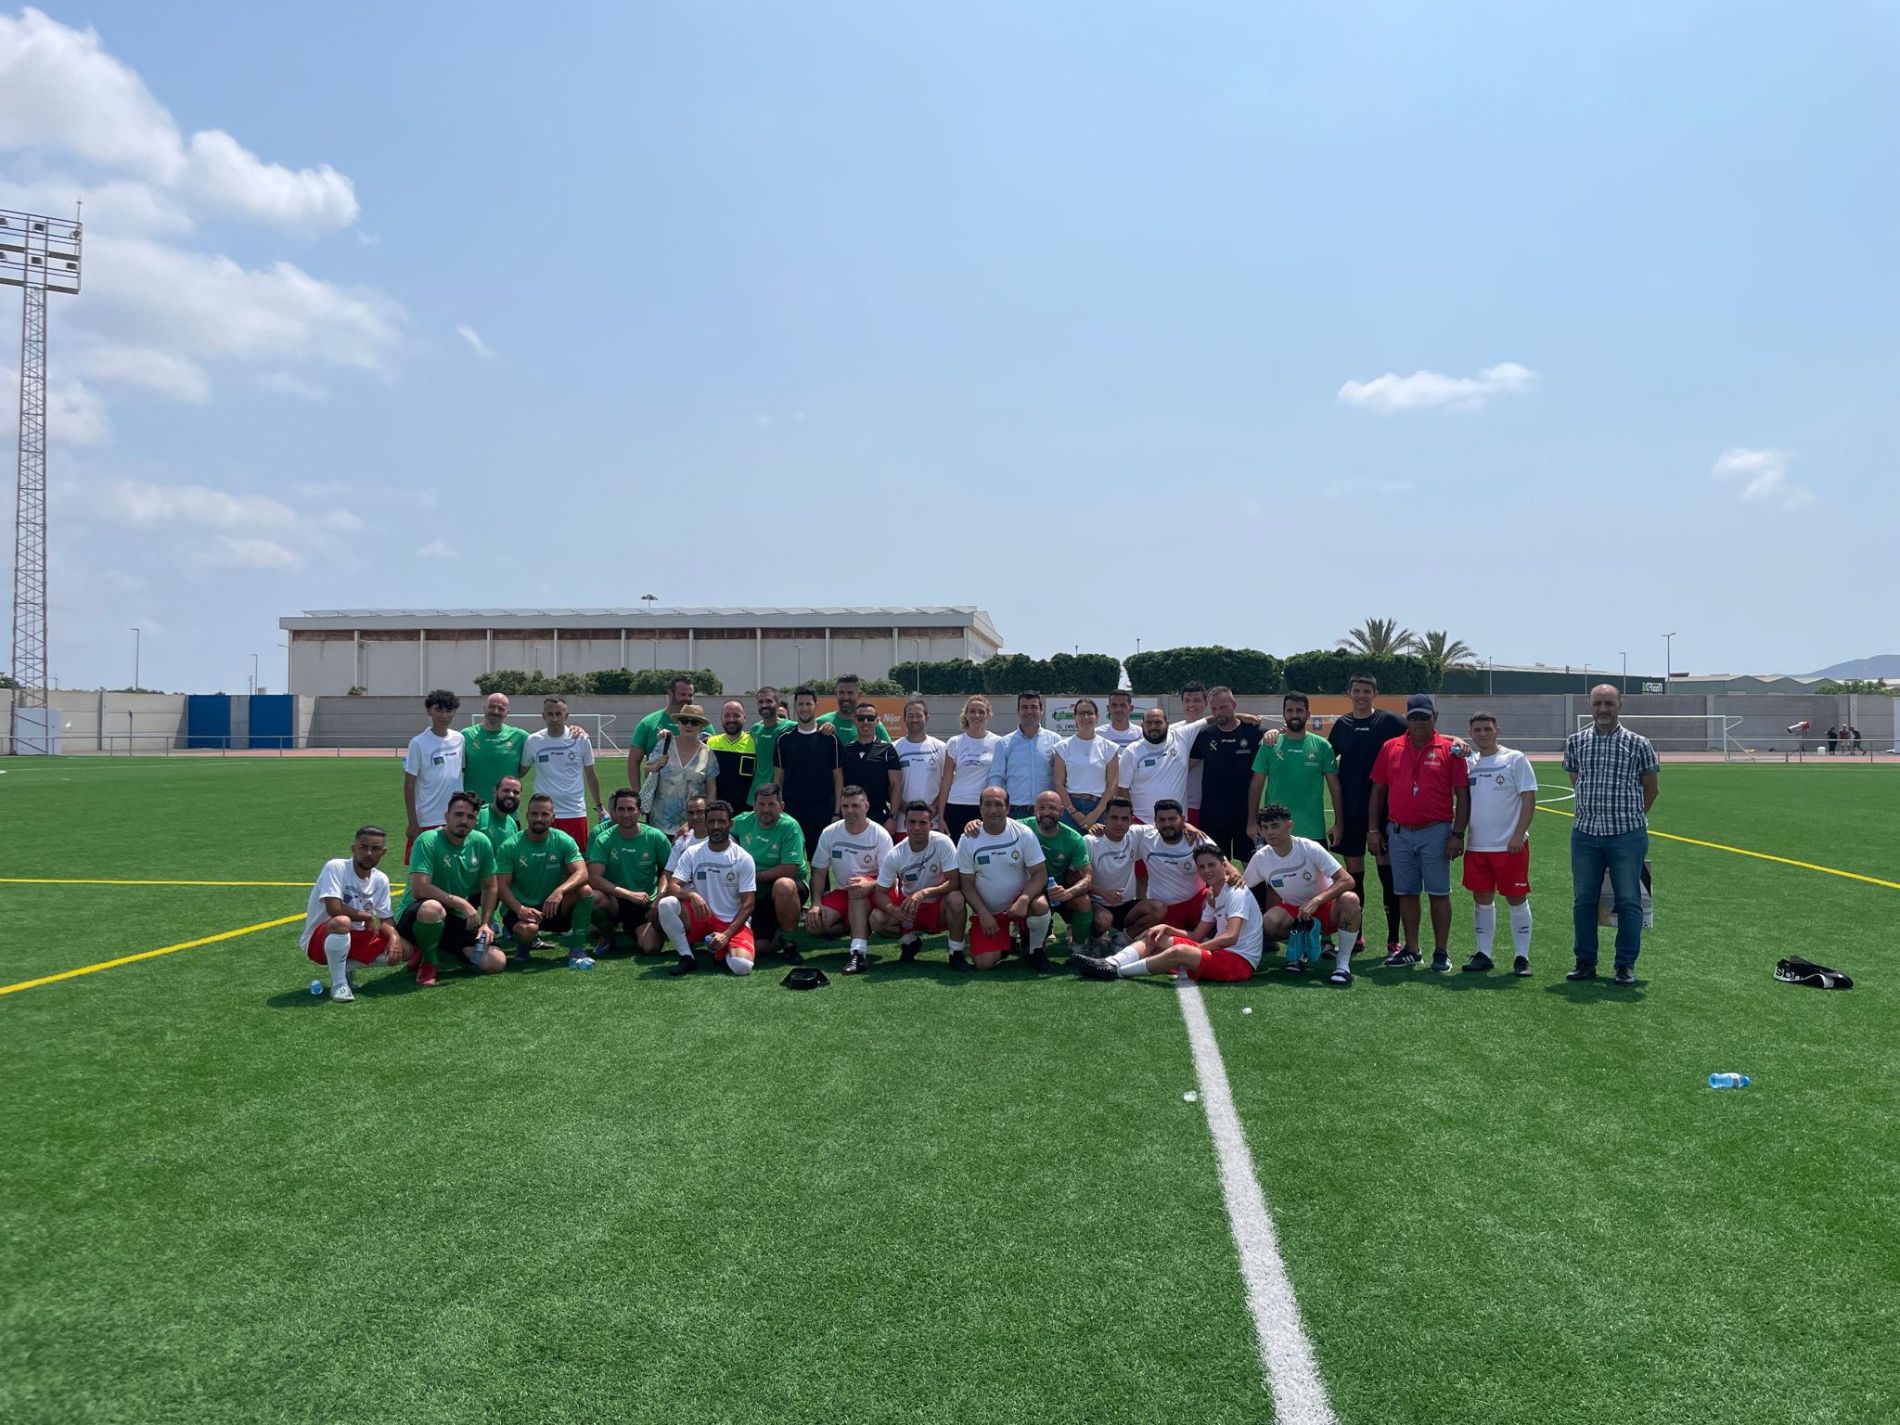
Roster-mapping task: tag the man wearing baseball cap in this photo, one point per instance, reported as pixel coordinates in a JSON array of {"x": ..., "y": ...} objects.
[{"x": 1421, "y": 803}]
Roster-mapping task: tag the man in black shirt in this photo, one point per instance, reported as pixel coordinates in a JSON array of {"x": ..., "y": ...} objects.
[
  {"x": 875, "y": 766},
  {"x": 1224, "y": 750},
  {"x": 1357, "y": 737},
  {"x": 809, "y": 770}
]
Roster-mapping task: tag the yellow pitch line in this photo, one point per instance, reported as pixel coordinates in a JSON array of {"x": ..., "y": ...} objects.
[
  {"x": 1757, "y": 855},
  {"x": 149, "y": 954}
]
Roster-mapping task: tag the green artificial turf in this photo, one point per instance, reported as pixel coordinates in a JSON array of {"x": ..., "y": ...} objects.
[{"x": 562, "y": 1196}]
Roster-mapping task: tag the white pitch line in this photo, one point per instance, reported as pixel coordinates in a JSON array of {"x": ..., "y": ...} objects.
[
  {"x": 1299, "y": 1396},
  {"x": 1566, "y": 797}
]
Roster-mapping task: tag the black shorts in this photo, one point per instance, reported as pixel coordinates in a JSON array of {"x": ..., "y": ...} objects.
[
  {"x": 1352, "y": 837},
  {"x": 812, "y": 818},
  {"x": 1230, "y": 836},
  {"x": 764, "y": 917},
  {"x": 553, "y": 924},
  {"x": 1117, "y": 914},
  {"x": 957, "y": 815},
  {"x": 630, "y": 917},
  {"x": 457, "y": 938}
]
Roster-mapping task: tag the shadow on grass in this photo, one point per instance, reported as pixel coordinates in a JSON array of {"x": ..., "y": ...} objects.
[{"x": 1595, "y": 991}]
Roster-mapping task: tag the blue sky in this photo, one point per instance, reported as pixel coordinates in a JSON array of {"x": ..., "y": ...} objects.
[{"x": 1556, "y": 327}]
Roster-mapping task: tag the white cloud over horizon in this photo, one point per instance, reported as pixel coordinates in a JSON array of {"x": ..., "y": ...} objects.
[
  {"x": 1423, "y": 390},
  {"x": 1760, "y": 477},
  {"x": 474, "y": 340}
]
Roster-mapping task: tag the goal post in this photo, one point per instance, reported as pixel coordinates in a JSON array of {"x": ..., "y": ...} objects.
[
  {"x": 598, "y": 727},
  {"x": 1686, "y": 734}
]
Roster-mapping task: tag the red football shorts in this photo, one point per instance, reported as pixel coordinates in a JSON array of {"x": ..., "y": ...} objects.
[
  {"x": 929, "y": 917},
  {"x": 1506, "y": 872},
  {"x": 1217, "y": 965},
  {"x": 983, "y": 943},
  {"x": 1326, "y": 918},
  {"x": 1185, "y": 915},
  {"x": 1194, "y": 816},
  {"x": 574, "y": 826},
  {"x": 698, "y": 927},
  {"x": 365, "y": 946},
  {"x": 839, "y": 901}
]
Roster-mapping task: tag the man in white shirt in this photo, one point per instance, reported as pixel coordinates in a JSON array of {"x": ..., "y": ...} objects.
[
  {"x": 1120, "y": 729},
  {"x": 432, "y": 768},
  {"x": 690, "y": 835},
  {"x": 1000, "y": 878},
  {"x": 712, "y": 894},
  {"x": 1225, "y": 944},
  {"x": 1498, "y": 843},
  {"x": 914, "y": 879},
  {"x": 1310, "y": 888},
  {"x": 1176, "y": 895},
  {"x": 1116, "y": 880},
  {"x": 844, "y": 867},
  {"x": 920, "y": 754},
  {"x": 1155, "y": 769},
  {"x": 347, "y": 920},
  {"x": 561, "y": 762}
]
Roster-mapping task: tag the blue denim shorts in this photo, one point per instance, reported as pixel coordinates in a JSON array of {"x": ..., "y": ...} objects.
[{"x": 1418, "y": 859}]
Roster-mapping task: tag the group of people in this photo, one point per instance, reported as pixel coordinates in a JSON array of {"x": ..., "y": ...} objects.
[{"x": 1161, "y": 846}]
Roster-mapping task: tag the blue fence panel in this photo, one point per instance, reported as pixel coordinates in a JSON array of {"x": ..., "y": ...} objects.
[
  {"x": 208, "y": 720},
  {"x": 273, "y": 722}
]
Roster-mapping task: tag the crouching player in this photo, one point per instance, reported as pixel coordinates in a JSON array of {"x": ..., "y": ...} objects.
[
  {"x": 347, "y": 921},
  {"x": 626, "y": 865},
  {"x": 541, "y": 878},
  {"x": 439, "y": 919},
  {"x": 1312, "y": 889},
  {"x": 710, "y": 894},
  {"x": 1226, "y": 945},
  {"x": 914, "y": 878},
  {"x": 1000, "y": 879}
]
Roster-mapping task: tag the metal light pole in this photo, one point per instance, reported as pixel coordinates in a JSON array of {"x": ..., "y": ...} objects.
[
  {"x": 1626, "y": 671},
  {"x": 38, "y": 255},
  {"x": 648, "y": 599},
  {"x": 253, "y": 675},
  {"x": 135, "y": 660},
  {"x": 1669, "y": 665}
]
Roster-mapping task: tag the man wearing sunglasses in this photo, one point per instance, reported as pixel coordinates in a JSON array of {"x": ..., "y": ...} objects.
[{"x": 873, "y": 765}]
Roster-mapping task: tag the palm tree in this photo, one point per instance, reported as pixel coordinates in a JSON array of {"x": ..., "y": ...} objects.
[
  {"x": 1441, "y": 650},
  {"x": 1379, "y": 636}
]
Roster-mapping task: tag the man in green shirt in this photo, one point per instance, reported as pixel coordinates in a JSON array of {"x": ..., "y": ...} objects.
[
  {"x": 541, "y": 878},
  {"x": 646, "y": 732},
  {"x": 841, "y": 722},
  {"x": 498, "y": 821},
  {"x": 624, "y": 863},
  {"x": 1299, "y": 770},
  {"x": 439, "y": 917},
  {"x": 1065, "y": 851},
  {"x": 776, "y": 845},
  {"x": 492, "y": 748},
  {"x": 765, "y": 735}
]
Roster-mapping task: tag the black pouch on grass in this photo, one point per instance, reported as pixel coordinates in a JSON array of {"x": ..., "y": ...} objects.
[
  {"x": 1796, "y": 971},
  {"x": 804, "y": 977}
]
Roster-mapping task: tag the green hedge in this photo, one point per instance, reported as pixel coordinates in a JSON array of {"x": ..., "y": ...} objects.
[
  {"x": 1063, "y": 675},
  {"x": 1327, "y": 670},
  {"x": 1168, "y": 670},
  {"x": 607, "y": 682}
]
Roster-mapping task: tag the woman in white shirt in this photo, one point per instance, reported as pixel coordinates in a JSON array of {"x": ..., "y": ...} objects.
[
  {"x": 1085, "y": 770},
  {"x": 677, "y": 770},
  {"x": 966, "y": 768}
]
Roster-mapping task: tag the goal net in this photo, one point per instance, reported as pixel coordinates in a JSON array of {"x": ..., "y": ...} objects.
[
  {"x": 598, "y": 727},
  {"x": 1707, "y": 735}
]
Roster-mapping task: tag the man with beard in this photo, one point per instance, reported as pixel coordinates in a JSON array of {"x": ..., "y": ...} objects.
[
  {"x": 498, "y": 820},
  {"x": 626, "y": 868},
  {"x": 347, "y": 919},
  {"x": 844, "y": 874},
  {"x": 1155, "y": 769},
  {"x": 710, "y": 898},
  {"x": 736, "y": 753},
  {"x": 1000, "y": 881},
  {"x": 1065, "y": 859},
  {"x": 1223, "y": 753},
  {"x": 914, "y": 880},
  {"x": 1298, "y": 770},
  {"x": 772, "y": 725},
  {"x": 1176, "y": 894},
  {"x": 541, "y": 877},
  {"x": 844, "y": 722},
  {"x": 1357, "y": 738},
  {"x": 439, "y": 919},
  {"x": 777, "y": 848}
]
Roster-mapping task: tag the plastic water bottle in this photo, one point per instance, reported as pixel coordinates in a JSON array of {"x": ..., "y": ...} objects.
[
  {"x": 316, "y": 988},
  {"x": 1728, "y": 1081}
]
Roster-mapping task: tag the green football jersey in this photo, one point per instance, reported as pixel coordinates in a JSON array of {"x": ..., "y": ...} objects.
[
  {"x": 497, "y": 826},
  {"x": 1063, "y": 852},
  {"x": 631, "y": 862},
  {"x": 453, "y": 870},
  {"x": 1296, "y": 770},
  {"x": 487, "y": 757},
  {"x": 782, "y": 845},
  {"x": 537, "y": 867}
]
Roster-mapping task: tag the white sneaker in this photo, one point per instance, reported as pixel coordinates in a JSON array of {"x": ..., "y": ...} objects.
[{"x": 342, "y": 994}]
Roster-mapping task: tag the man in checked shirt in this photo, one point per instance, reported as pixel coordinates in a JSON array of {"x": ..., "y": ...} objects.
[{"x": 1614, "y": 773}]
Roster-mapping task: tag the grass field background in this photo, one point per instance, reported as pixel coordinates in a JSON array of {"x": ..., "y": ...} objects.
[{"x": 918, "y": 1196}]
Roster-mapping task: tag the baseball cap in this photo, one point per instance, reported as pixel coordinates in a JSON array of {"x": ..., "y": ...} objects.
[{"x": 1420, "y": 703}]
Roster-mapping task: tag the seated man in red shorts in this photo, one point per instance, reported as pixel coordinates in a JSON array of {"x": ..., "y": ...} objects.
[
  {"x": 1000, "y": 878},
  {"x": 844, "y": 866},
  {"x": 348, "y": 920},
  {"x": 1176, "y": 895},
  {"x": 1309, "y": 886},
  {"x": 712, "y": 889},
  {"x": 1225, "y": 945},
  {"x": 914, "y": 879}
]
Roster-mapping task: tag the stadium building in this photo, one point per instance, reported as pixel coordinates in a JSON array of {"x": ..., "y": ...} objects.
[{"x": 334, "y": 651}]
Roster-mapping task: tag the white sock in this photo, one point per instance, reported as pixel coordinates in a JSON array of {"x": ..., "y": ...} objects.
[
  {"x": 675, "y": 926},
  {"x": 956, "y": 947},
  {"x": 1127, "y": 955},
  {"x": 738, "y": 966},
  {"x": 1485, "y": 918},
  {"x": 1521, "y": 930},
  {"x": 1127, "y": 968},
  {"x": 857, "y": 944},
  {"x": 1038, "y": 931},
  {"x": 336, "y": 954},
  {"x": 1348, "y": 942}
]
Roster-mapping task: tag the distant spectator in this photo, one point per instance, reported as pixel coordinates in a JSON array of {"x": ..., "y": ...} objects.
[
  {"x": 1855, "y": 733},
  {"x": 1833, "y": 739}
]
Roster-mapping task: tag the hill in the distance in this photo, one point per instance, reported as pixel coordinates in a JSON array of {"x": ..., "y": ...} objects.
[{"x": 1881, "y": 665}]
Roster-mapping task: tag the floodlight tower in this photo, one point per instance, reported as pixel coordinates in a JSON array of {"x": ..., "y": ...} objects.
[{"x": 38, "y": 255}]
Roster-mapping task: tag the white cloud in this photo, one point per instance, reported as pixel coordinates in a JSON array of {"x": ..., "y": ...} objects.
[
  {"x": 245, "y": 552},
  {"x": 1425, "y": 389},
  {"x": 474, "y": 340},
  {"x": 225, "y": 176},
  {"x": 74, "y": 413},
  {"x": 436, "y": 549},
  {"x": 142, "y": 503},
  {"x": 165, "y": 372},
  {"x": 60, "y": 90},
  {"x": 289, "y": 383},
  {"x": 1760, "y": 476},
  {"x": 117, "y": 205}
]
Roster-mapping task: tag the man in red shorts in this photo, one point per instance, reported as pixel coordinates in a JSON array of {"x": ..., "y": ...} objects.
[
  {"x": 1225, "y": 945},
  {"x": 348, "y": 920},
  {"x": 844, "y": 867},
  {"x": 1000, "y": 876},
  {"x": 1308, "y": 886},
  {"x": 914, "y": 879},
  {"x": 1176, "y": 894},
  {"x": 712, "y": 890},
  {"x": 1498, "y": 844}
]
